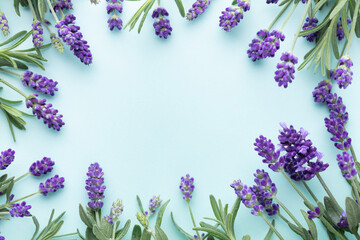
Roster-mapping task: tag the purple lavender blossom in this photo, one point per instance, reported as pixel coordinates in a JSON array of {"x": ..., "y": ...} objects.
[
  {"x": 51, "y": 185},
  {"x": 41, "y": 167},
  {"x": 343, "y": 73},
  {"x": 248, "y": 197},
  {"x": 45, "y": 111},
  {"x": 162, "y": 24},
  {"x": 69, "y": 33},
  {"x": 343, "y": 223},
  {"x": 55, "y": 41},
  {"x": 20, "y": 210},
  {"x": 4, "y": 24},
  {"x": 197, "y": 9},
  {"x": 336, "y": 126},
  {"x": 266, "y": 149},
  {"x": 6, "y": 158},
  {"x": 299, "y": 154},
  {"x": 263, "y": 180},
  {"x": 230, "y": 18},
  {"x": 314, "y": 214},
  {"x": 321, "y": 91},
  {"x": 39, "y": 83},
  {"x": 62, "y": 5},
  {"x": 340, "y": 30},
  {"x": 94, "y": 186},
  {"x": 238, "y": 186},
  {"x": 257, "y": 210},
  {"x": 337, "y": 107},
  {"x": 311, "y": 23},
  {"x": 114, "y": 6},
  {"x": 272, "y": 1},
  {"x": 37, "y": 33},
  {"x": 117, "y": 209},
  {"x": 154, "y": 203},
  {"x": 265, "y": 199},
  {"x": 187, "y": 187},
  {"x": 286, "y": 69},
  {"x": 115, "y": 22},
  {"x": 2, "y": 238},
  {"x": 347, "y": 165}
]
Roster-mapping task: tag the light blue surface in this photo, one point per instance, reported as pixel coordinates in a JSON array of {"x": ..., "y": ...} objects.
[{"x": 151, "y": 111}]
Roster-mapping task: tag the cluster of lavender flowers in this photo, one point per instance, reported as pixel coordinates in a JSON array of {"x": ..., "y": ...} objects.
[
  {"x": 197, "y": 9},
  {"x": 45, "y": 111},
  {"x": 311, "y": 23},
  {"x": 117, "y": 209},
  {"x": 94, "y": 186},
  {"x": 56, "y": 42},
  {"x": 20, "y": 210},
  {"x": 231, "y": 17},
  {"x": 162, "y": 24},
  {"x": 187, "y": 187},
  {"x": 343, "y": 74},
  {"x": 286, "y": 69},
  {"x": 39, "y": 83},
  {"x": 41, "y": 167},
  {"x": 113, "y": 7},
  {"x": 70, "y": 34},
  {"x": 4, "y": 25},
  {"x": 62, "y": 5},
  {"x": 260, "y": 196},
  {"x": 37, "y": 34},
  {"x": 154, "y": 203},
  {"x": 265, "y": 45},
  {"x": 6, "y": 158},
  {"x": 340, "y": 34},
  {"x": 51, "y": 185}
]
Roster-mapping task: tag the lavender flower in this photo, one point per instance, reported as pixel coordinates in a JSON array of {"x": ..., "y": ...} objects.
[
  {"x": 142, "y": 220},
  {"x": 45, "y": 111},
  {"x": 238, "y": 186},
  {"x": 197, "y": 9},
  {"x": 51, "y": 185},
  {"x": 257, "y": 210},
  {"x": 286, "y": 69},
  {"x": 343, "y": 73},
  {"x": 116, "y": 210},
  {"x": 263, "y": 180},
  {"x": 20, "y": 210},
  {"x": 299, "y": 154},
  {"x": 255, "y": 51},
  {"x": 264, "y": 199},
  {"x": 272, "y": 1},
  {"x": 343, "y": 223},
  {"x": 37, "y": 33},
  {"x": 187, "y": 187},
  {"x": 2, "y": 238},
  {"x": 39, "y": 83},
  {"x": 162, "y": 24},
  {"x": 314, "y": 214},
  {"x": 231, "y": 17},
  {"x": 95, "y": 187},
  {"x": 62, "y": 5},
  {"x": 114, "y": 6},
  {"x": 340, "y": 30},
  {"x": 337, "y": 107},
  {"x": 115, "y": 22},
  {"x": 154, "y": 203},
  {"x": 43, "y": 166},
  {"x": 55, "y": 41},
  {"x": 69, "y": 33},
  {"x": 311, "y": 23},
  {"x": 6, "y": 158},
  {"x": 248, "y": 197},
  {"x": 266, "y": 149},
  {"x": 321, "y": 91},
  {"x": 4, "y": 24},
  {"x": 347, "y": 165},
  {"x": 336, "y": 126}
]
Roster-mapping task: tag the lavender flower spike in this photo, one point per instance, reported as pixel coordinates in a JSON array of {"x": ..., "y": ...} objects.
[
  {"x": 37, "y": 33},
  {"x": 347, "y": 165},
  {"x": 187, "y": 187},
  {"x": 45, "y": 111},
  {"x": 62, "y": 5},
  {"x": 311, "y": 23},
  {"x": 116, "y": 210},
  {"x": 39, "y": 83},
  {"x": 51, "y": 185},
  {"x": 340, "y": 30},
  {"x": 20, "y": 210},
  {"x": 115, "y": 22},
  {"x": 343, "y": 73},
  {"x": 286, "y": 69},
  {"x": 94, "y": 186},
  {"x": 322, "y": 91},
  {"x": 154, "y": 203},
  {"x": 114, "y": 6},
  {"x": 197, "y": 9},
  {"x": 314, "y": 214},
  {"x": 231, "y": 17},
  {"x": 6, "y": 158},
  {"x": 41, "y": 167},
  {"x": 4, "y": 24},
  {"x": 2, "y": 238},
  {"x": 55, "y": 41},
  {"x": 336, "y": 126},
  {"x": 162, "y": 24}
]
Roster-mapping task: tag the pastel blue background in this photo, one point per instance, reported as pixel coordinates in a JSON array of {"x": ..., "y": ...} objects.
[{"x": 151, "y": 111}]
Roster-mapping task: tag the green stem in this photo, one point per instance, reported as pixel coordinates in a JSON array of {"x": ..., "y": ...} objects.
[
  {"x": 332, "y": 229},
  {"x": 114, "y": 230},
  {"x": 288, "y": 17},
  {"x": 32, "y": 9},
  {"x": 353, "y": 153},
  {"x": 321, "y": 180},
  {"x": 10, "y": 72},
  {"x": 62, "y": 13},
  {"x": 279, "y": 15},
  {"x": 52, "y": 11},
  {"x": 4, "y": 213},
  {"x": 97, "y": 217},
  {"x": 20, "y": 199},
  {"x": 65, "y": 235},
  {"x": 353, "y": 25},
  {"x": 272, "y": 227},
  {"x": 13, "y": 88},
  {"x": 21, "y": 177},
  {"x": 283, "y": 218},
  {"x": 308, "y": 5},
  {"x": 192, "y": 218},
  {"x": 309, "y": 190},
  {"x": 288, "y": 212}
]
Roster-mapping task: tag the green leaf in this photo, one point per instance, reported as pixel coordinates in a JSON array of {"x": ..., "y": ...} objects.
[
  {"x": 160, "y": 234},
  {"x": 331, "y": 235},
  {"x": 215, "y": 208},
  {"x": 353, "y": 214},
  {"x": 270, "y": 232},
  {"x": 311, "y": 224},
  {"x": 246, "y": 237},
  {"x": 298, "y": 231},
  {"x": 332, "y": 210},
  {"x": 86, "y": 218},
  {"x": 146, "y": 12},
  {"x": 99, "y": 233},
  {"x": 180, "y": 7},
  {"x": 161, "y": 213},
  {"x": 136, "y": 233},
  {"x": 189, "y": 236},
  {"x": 123, "y": 231},
  {"x": 339, "y": 5},
  {"x": 37, "y": 227},
  {"x": 90, "y": 235},
  {"x": 14, "y": 37},
  {"x": 42, "y": 8},
  {"x": 212, "y": 230},
  {"x": 234, "y": 212},
  {"x": 145, "y": 235},
  {"x": 140, "y": 205}
]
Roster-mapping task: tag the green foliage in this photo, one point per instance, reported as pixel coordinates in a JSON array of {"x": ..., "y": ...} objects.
[{"x": 51, "y": 229}]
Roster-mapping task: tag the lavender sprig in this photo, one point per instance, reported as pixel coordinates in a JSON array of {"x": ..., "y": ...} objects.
[
  {"x": 55, "y": 41},
  {"x": 347, "y": 165},
  {"x": 311, "y": 23},
  {"x": 114, "y": 7},
  {"x": 154, "y": 204},
  {"x": 340, "y": 34},
  {"x": 4, "y": 24},
  {"x": 343, "y": 73},
  {"x": 286, "y": 69},
  {"x": 197, "y": 9},
  {"x": 20, "y": 210},
  {"x": 162, "y": 24},
  {"x": 62, "y": 5},
  {"x": 51, "y": 185},
  {"x": 94, "y": 186},
  {"x": 37, "y": 34},
  {"x": 6, "y": 158},
  {"x": 39, "y": 83},
  {"x": 187, "y": 187},
  {"x": 321, "y": 91},
  {"x": 117, "y": 209},
  {"x": 41, "y": 167},
  {"x": 231, "y": 17}
]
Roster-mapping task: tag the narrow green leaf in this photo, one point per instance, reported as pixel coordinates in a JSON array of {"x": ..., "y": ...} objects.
[
  {"x": 339, "y": 5},
  {"x": 14, "y": 37},
  {"x": 124, "y": 230},
  {"x": 270, "y": 232},
  {"x": 215, "y": 208},
  {"x": 353, "y": 214},
  {"x": 37, "y": 227},
  {"x": 140, "y": 204},
  {"x": 189, "y": 236},
  {"x": 311, "y": 224},
  {"x": 160, "y": 234},
  {"x": 180, "y": 7},
  {"x": 161, "y": 213}
]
